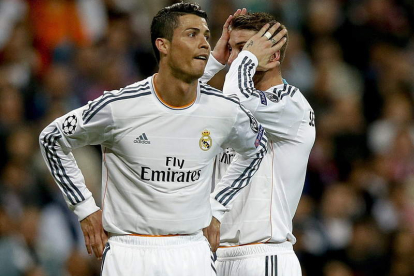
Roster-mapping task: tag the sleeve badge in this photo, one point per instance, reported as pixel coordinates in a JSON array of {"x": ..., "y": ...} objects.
[{"x": 69, "y": 125}]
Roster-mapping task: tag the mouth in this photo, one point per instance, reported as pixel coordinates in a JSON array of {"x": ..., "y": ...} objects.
[{"x": 202, "y": 57}]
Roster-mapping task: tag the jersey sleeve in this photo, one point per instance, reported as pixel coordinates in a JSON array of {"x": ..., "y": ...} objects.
[
  {"x": 279, "y": 111},
  {"x": 88, "y": 125},
  {"x": 248, "y": 139},
  {"x": 212, "y": 68}
]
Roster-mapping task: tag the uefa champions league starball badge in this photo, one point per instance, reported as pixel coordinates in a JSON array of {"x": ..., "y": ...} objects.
[
  {"x": 69, "y": 125},
  {"x": 205, "y": 141}
]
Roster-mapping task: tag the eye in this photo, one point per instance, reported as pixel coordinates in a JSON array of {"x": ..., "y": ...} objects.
[
  {"x": 192, "y": 34},
  {"x": 207, "y": 37},
  {"x": 230, "y": 49}
]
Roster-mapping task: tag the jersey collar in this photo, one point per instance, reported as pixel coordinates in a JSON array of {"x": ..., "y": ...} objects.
[{"x": 167, "y": 106}]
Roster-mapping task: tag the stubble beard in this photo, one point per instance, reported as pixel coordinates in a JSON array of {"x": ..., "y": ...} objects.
[{"x": 188, "y": 76}]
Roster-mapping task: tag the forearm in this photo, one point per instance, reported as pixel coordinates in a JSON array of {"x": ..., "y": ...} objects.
[
  {"x": 66, "y": 173},
  {"x": 212, "y": 68},
  {"x": 239, "y": 79},
  {"x": 237, "y": 177}
]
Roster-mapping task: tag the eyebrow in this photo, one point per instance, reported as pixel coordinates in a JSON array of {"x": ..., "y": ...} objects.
[
  {"x": 240, "y": 43},
  {"x": 197, "y": 29}
]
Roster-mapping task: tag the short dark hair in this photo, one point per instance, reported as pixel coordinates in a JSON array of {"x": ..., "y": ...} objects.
[
  {"x": 255, "y": 21},
  {"x": 166, "y": 20}
]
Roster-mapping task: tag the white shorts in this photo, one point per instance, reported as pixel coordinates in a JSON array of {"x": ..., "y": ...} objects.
[
  {"x": 258, "y": 260},
  {"x": 187, "y": 255}
]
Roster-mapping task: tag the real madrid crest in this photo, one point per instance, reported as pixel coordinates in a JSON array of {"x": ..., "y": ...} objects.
[{"x": 205, "y": 141}]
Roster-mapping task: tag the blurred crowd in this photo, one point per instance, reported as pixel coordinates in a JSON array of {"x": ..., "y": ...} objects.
[{"x": 352, "y": 59}]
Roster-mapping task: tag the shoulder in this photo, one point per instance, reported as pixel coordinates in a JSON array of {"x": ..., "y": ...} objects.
[
  {"x": 135, "y": 90},
  {"x": 284, "y": 94},
  {"x": 211, "y": 92},
  {"x": 137, "y": 87},
  {"x": 130, "y": 91},
  {"x": 286, "y": 90}
]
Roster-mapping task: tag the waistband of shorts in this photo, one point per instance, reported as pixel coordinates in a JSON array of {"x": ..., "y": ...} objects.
[
  {"x": 156, "y": 240},
  {"x": 257, "y": 249}
]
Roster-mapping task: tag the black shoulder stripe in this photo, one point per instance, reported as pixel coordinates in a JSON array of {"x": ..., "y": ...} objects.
[
  {"x": 144, "y": 92},
  {"x": 282, "y": 90},
  {"x": 104, "y": 98},
  {"x": 221, "y": 96},
  {"x": 286, "y": 92},
  {"x": 210, "y": 88}
]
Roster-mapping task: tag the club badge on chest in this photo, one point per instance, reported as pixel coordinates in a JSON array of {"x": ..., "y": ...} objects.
[{"x": 205, "y": 141}]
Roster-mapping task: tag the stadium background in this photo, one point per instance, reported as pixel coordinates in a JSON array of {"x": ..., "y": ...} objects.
[{"x": 352, "y": 59}]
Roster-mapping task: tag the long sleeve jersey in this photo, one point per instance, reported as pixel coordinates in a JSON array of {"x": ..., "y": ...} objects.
[
  {"x": 264, "y": 210},
  {"x": 157, "y": 160}
]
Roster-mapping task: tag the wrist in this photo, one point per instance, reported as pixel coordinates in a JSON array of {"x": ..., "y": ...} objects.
[
  {"x": 250, "y": 55},
  {"x": 85, "y": 208},
  {"x": 217, "y": 58}
]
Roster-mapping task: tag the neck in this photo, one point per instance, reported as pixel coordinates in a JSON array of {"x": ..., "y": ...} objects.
[
  {"x": 265, "y": 80},
  {"x": 175, "y": 90}
]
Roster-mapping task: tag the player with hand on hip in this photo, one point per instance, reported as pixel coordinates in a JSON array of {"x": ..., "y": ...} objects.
[
  {"x": 159, "y": 139},
  {"x": 256, "y": 234}
]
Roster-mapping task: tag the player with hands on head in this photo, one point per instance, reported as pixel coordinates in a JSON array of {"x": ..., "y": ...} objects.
[
  {"x": 266, "y": 50},
  {"x": 159, "y": 139},
  {"x": 256, "y": 234}
]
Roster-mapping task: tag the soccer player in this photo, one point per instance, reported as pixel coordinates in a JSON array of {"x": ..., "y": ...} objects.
[
  {"x": 256, "y": 234},
  {"x": 159, "y": 138}
]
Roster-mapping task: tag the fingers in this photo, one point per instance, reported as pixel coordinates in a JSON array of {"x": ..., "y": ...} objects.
[
  {"x": 213, "y": 241},
  {"x": 213, "y": 238},
  {"x": 273, "y": 29},
  {"x": 230, "y": 18},
  {"x": 227, "y": 23},
  {"x": 94, "y": 234},
  {"x": 205, "y": 232},
  {"x": 87, "y": 243},
  {"x": 92, "y": 241},
  {"x": 267, "y": 32},
  {"x": 276, "y": 47},
  {"x": 214, "y": 234},
  {"x": 263, "y": 30},
  {"x": 104, "y": 237},
  {"x": 100, "y": 241},
  {"x": 238, "y": 12},
  {"x": 280, "y": 35},
  {"x": 217, "y": 241}
]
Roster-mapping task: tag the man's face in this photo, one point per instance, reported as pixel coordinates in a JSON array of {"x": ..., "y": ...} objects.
[
  {"x": 189, "y": 49},
  {"x": 236, "y": 42}
]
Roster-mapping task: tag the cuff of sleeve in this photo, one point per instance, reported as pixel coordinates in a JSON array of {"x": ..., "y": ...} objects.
[
  {"x": 250, "y": 55},
  {"x": 84, "y": 209},
  {"x": 217, "y": 209},
  {"x": 215, "y": 65}
]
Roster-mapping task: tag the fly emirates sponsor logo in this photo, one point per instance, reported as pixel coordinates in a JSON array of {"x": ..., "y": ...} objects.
[{"x": 174, "y": 173}]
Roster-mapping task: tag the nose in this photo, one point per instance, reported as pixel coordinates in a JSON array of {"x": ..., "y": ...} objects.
[{"x": 204, "y": 43}]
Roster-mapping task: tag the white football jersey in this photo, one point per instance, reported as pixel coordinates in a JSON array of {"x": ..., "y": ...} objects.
[
  {"x": 157, "y": 160},
  {"x": 264, "y": 210}
]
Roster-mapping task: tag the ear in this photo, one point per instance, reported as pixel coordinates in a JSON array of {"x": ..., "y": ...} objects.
[
  {"x": 275, "y": 57},
  {"x": 163, "y": 45},
  {"x": 274, "y": 61}
]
